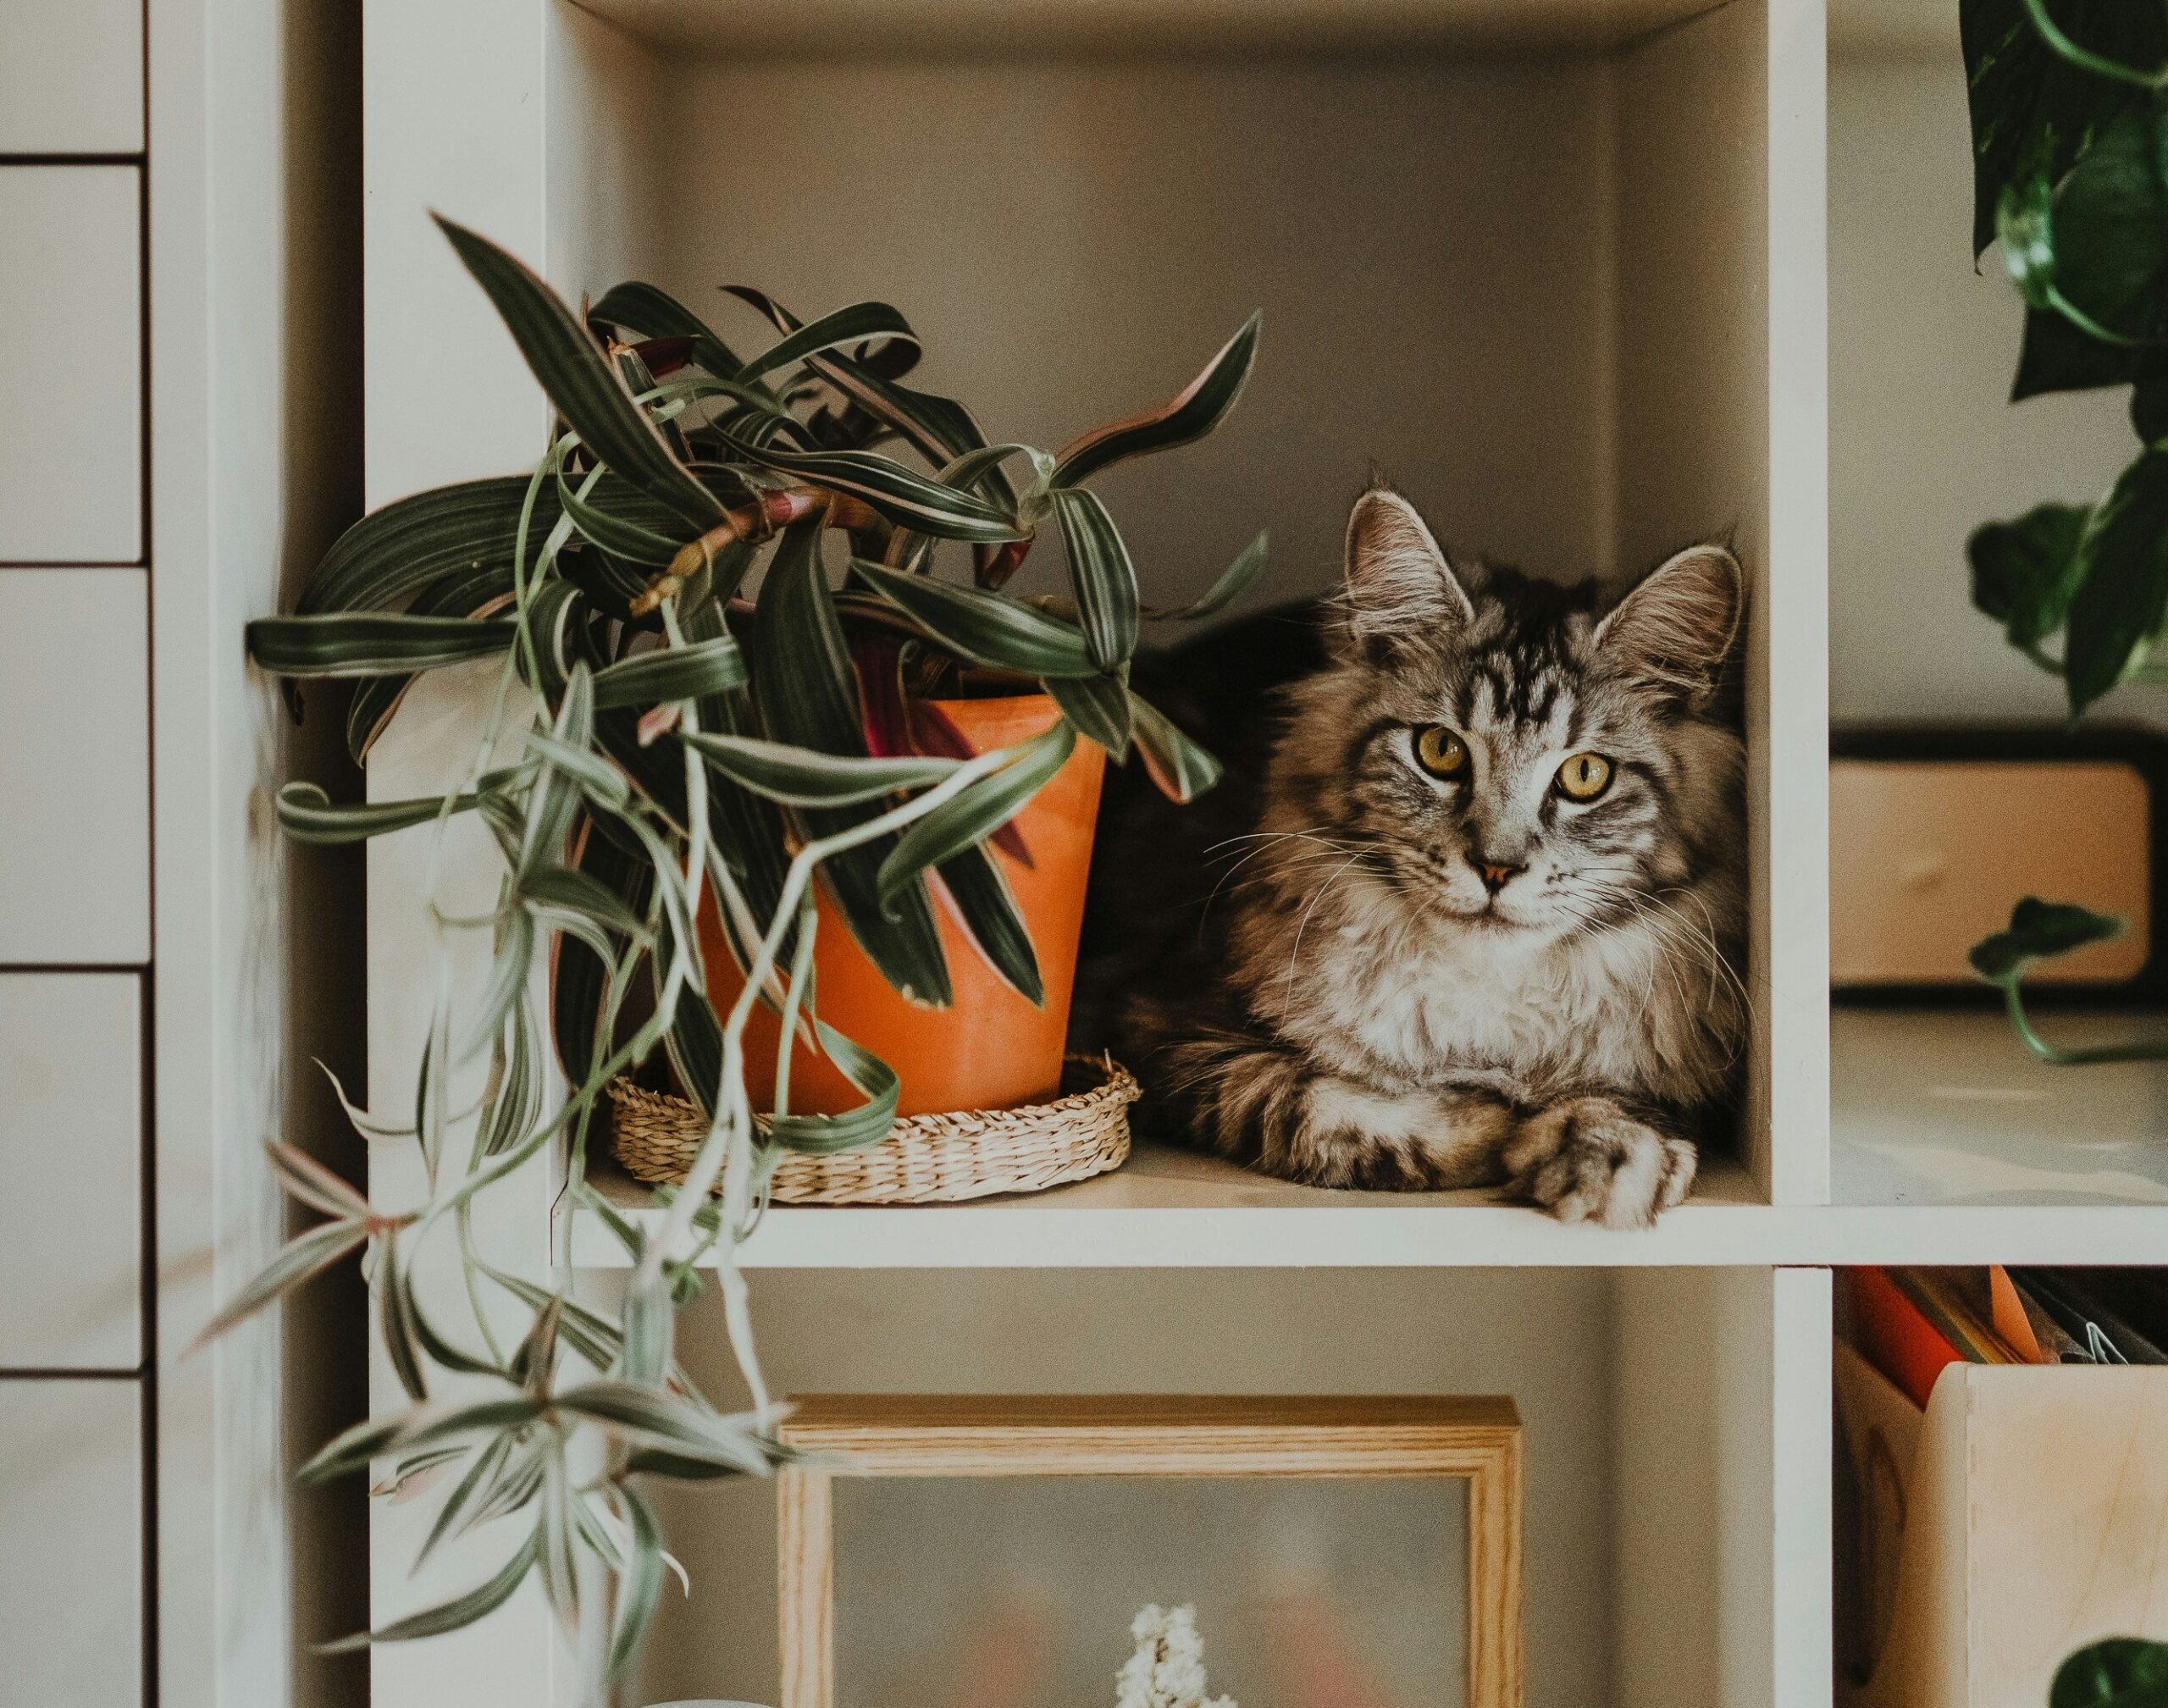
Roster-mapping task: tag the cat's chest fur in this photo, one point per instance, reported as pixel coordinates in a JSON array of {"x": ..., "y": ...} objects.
[{"x": 1467, "y": 1005}]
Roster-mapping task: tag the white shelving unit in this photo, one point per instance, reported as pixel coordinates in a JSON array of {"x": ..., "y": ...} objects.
[{"x": 1563, "y": 268}]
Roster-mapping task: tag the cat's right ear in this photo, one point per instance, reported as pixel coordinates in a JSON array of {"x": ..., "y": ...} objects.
[{"x": 1399, "y": 584}]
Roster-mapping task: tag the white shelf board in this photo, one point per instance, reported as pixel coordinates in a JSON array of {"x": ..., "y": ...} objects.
[
  {"x": 780, "y": 27},
  {"x": 1944, "y": 1108},
  {"x": 1171, "y": 1210}
]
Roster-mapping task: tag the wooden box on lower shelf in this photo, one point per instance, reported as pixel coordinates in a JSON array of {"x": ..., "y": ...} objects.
[{"x": 2022, "y": 1515}]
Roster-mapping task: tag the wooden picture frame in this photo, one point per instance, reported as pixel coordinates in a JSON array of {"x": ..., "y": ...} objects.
[{"x": 1478, "y": 1438}]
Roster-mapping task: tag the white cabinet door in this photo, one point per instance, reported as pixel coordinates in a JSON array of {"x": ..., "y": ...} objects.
[
  {"x": 71, "y": 453},
  {"x": 71, "y": 76},
  {"x": 71, "y": 1124},
  {"x": 71, "y": 1543},
  {"x": 75, "y": 763}
]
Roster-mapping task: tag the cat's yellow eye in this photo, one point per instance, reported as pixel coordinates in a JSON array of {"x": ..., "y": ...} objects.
[
  {"x": 1584, "y": 776},
  {"x": 1441, "y": 752}
]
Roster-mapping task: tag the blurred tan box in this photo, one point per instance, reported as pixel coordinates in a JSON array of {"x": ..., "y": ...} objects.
[{"x": 1927, "y": 856}]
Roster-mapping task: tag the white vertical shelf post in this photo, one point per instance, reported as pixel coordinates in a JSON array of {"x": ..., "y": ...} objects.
[
  {"x": 454, "y": 121},
  {"x": 1794, "y": 605}
]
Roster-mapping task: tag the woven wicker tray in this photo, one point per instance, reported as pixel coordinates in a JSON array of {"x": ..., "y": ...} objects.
[{"x": 925, "y": 1159}]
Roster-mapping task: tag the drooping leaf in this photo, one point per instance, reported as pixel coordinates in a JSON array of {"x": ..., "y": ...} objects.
[
  {"x": 488, "y": 1460},
  {"x": 1234, "y": 581},
  {"x": 476, "y": 1603},
  {"x": 2039, "y": 930},
  {"x": 2023, "y": 571},
  {"x": 308, "y": 1181},
  {"x": 1191, "y": 414},
  {"x": 2121, "y": 573},
  {"x": 987, "y": 629},
  {"x": 395, "y": 1322},
  {"x": 2118, "y": 1672},
  {"x": 989, "y": 912},
  {"x": 825, "y": 1136},
  {"x": 619, "y": 535},
  {"x": 392, "y": 553},
  {"x": 588, "y": 391},
  {"x": 673, "y": 672},
  {"x": 309, "y": 815},
  {"x": 640, "y": 1584},
  {"x": 853, "y": 323},
  {"x": 1101, "y": 574},
  {"x": 899, "y": 495},
  {"x": 418, "y": 1426},
  {"x": 339, "y": 644},
  {"x": 1097, "y": 707},
  {"x": 1182, "y": 770},
  {"x": 801, "y": 777},
  {"x": 300, "y": 1259},
  {"x": 808, "y": 695},
  {"x": 971, "y": 816},
  {"x": 654, "y": 1417},
  {"x": 651, "y": 312}
]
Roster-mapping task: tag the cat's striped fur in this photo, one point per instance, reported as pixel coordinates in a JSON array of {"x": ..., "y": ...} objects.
[{"x": 1368, "y": 1006}]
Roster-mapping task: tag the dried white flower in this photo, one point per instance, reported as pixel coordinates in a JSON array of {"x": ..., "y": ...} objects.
[{"x": 1167, "y": 1670}]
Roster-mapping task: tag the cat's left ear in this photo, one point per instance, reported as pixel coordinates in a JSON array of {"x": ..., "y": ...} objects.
[
  {"x": 1676, "y": 629},
  {"x": 1399, "y": 583}
]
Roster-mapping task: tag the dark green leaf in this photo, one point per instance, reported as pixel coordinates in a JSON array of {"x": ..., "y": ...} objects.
[
  {"x": 337, "y": 643},
  {"x": 1234, "y": 581},
  {"x": 649, "y": 312},
  {"x": 1097, "y": 707},
  {"x": 1100, "y": 573},
  {"x": 674, "y": 673},
  {"x": 989, "y": 912},
  {"x": 973, "y": 815},
  {"x": 587, "y": 390},
  {"x": 2122, "y": 581},
  {"x": 2118, "y": 1672},
  {"x": 2031, "y": 110},
  {"x": 985, "y": 627},
  {"x": 2038, "y": 930},
  {"x": 2054, "y": 356},
  {"x": 1190, "y": 415},
  {"x": 1182, "y": 770},
  {"x": 853, "y": 325},
  {"x": 2110, "y": 226},
  {"x": 808, "y": 695},
  {"x": 801, "y": 777},
  {"x": 393, "y": 553},
  {"x": 899, "y": 495},
  {"x": 309, "y": 815},
  {"x": 2023, "y": 571},
  {"x": 824, "y": 1136},
  {"x": 615, "y": 533},
  {"x": 395, "y": 1322},
  {"x": 450, "y": 1616}
]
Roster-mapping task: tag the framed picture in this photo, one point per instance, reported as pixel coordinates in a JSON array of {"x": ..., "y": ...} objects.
[{"x": 1441, "y": 1475}]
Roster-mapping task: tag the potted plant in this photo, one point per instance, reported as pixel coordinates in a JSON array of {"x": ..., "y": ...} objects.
[{"x": 766, "y": 751}]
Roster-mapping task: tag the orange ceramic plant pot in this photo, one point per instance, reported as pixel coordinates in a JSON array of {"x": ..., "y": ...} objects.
[{"x": 990, "y": 1048}]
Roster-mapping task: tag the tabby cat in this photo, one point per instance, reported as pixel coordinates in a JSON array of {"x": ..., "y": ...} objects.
[{"x": 1477, "y": 918}]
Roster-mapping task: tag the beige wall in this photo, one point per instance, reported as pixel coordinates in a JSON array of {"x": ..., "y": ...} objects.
[
  {"x": 1924, "y": 446},
  {"x": 1073, "y": 239}
]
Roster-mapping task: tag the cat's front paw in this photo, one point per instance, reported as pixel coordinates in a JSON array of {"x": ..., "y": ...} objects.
[{"x": 1587, "y": 1160}]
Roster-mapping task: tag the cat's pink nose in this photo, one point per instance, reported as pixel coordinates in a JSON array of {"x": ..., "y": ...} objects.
[{"x": 1494, "y": 874}]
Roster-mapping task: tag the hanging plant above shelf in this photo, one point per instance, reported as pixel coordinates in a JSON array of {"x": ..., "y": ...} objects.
[{"x": 722, "y": 646}]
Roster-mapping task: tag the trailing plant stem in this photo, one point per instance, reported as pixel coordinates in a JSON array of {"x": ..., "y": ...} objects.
[{"x": 2056, "y": 1055}]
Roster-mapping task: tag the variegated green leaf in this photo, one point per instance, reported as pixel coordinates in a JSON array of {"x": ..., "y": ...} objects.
[
  {"x": 305, "y": 1256},
  {"x": 1182, "y": 770},
  {"x": 396, "y": 1323},
  {"x": 987, "y": 628},
  {"x": 1101, "y": 574},
  {"x": 340, "y": 644},
  {"x": 392, "y": 554},
  {"x": 988, "y": 909},
  {"x": 647, "y": 311},
  {"x": 672, "y": 672},
  {"x": 897, "y": 495},
  {"x": 807, "y": 692},
  {"x": 681, "y": 1426},
  {"x": 588, "y": 391},
  {"x": 855, "y": 324},
  {"x": 640, "y": 1584},
  {"x": 1190, "y": 415},
  {"x": 973, "y": 815},
  {"x": 476, "y": 1604},
  {"x": 1234, "y": 581},
  {"x": 1097, "y": 706},
  {"x": 419, "y": 1426},
  {"x": 309, "y": 815},
  {"x": 802, "y": 777}
]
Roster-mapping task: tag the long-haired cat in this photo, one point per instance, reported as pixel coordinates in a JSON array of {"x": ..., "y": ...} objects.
[{"x": 1477, "y": 918}]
